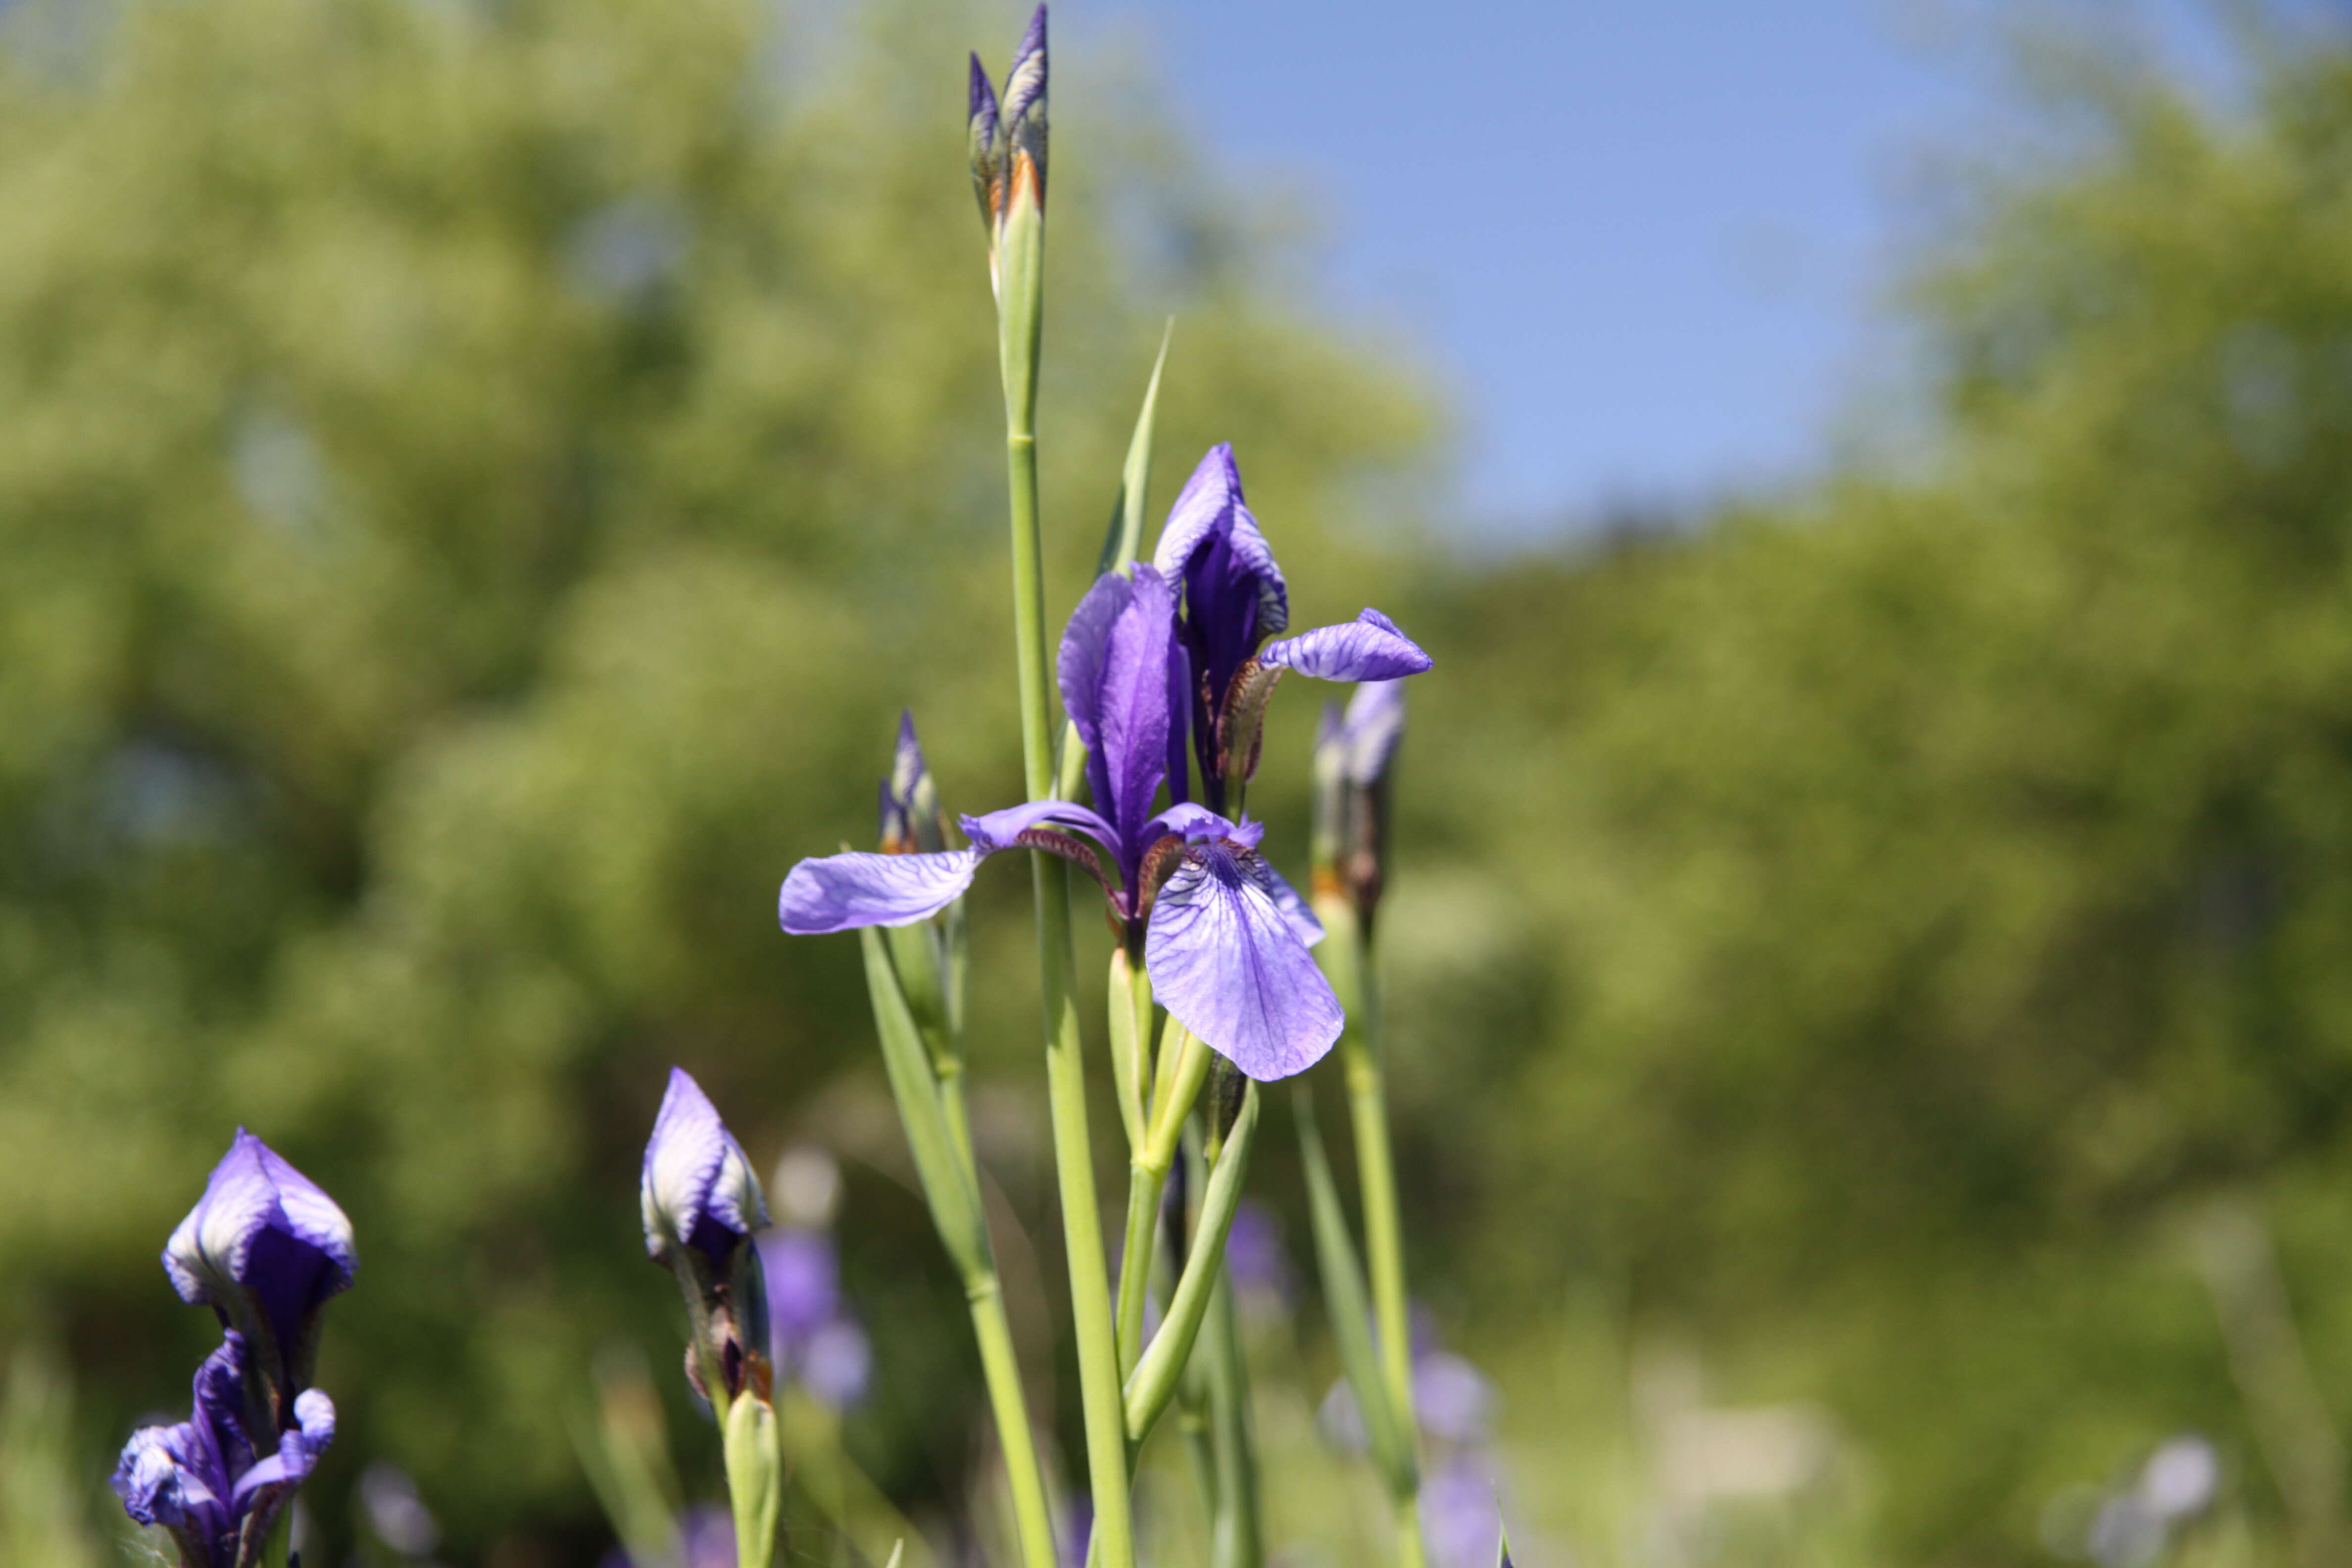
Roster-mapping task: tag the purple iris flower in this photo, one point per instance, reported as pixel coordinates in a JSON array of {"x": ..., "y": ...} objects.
[
  {"x": 207, "y": 1481},
  {"x": 1234, "y": 598},
  {"x": 264, "y": 1247},
  {"x": 1224, "y": 938},
  {"x": 701, "y": 1203},
  {"x": 1459, "y": 1513}
]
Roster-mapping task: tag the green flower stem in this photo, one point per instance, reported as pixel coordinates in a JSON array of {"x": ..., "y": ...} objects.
[
  {"x": 1361, "y": 1059},
  {"x": 1237, "y": 1537},
  {"x": 1091, "y": 1304}
]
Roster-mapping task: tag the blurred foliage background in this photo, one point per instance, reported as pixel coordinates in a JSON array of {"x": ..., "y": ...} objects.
[{"x": 1870, "y": 990}]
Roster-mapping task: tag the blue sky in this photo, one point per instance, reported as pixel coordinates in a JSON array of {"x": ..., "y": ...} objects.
[{"x": 1644, "y": 245}]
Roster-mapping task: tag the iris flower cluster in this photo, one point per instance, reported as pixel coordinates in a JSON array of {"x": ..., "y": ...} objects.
[
  {"x": 264, "y": 1247},
  {"x": 1159, "y": 668}
]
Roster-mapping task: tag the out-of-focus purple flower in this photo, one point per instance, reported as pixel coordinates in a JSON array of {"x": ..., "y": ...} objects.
[
  {"x": 814, "y": 1338},
  {"x": 1353, "y": 751},
  {"x": 1454, "y": 1402},
  {"x": 836, "y": 1363},
  {"x": 264, "y": 1247},
  {"x": 803, "y": 1284},
  {"x": 1254, "y": 1259},
  {"x": 396, "y": 1509},
  {"x": 706, "y": 1538},
  {"x": 1078, "y": 1525},
  {"x": 206, "y": 1480},
  {"x": 1234, "y": 598},
  {"x": 1224, "y": 937},
  {"x": 1453, "y": 1399},
  {"x": 1459, "y": 1514},
  {"x": 701, "y": 1203}
]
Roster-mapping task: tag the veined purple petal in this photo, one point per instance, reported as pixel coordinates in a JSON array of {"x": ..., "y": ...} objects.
[
  {"x": 1294, "y": 909},
  {"x": 1211, "y": 506},
  {"x": 1113, "y": 675},
  {"x": 998, "y": 829},
  {"x": 183, "y": 1477},
  {"x": 1369, "y": 648},
  {"x": 1196, "y": 823},
  {"x": 1227, "y": 965},
  {"x": 842, "y": 892},
  {"x": 697, "y": 1187}
]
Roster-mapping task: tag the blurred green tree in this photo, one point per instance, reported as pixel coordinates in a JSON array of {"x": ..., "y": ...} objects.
[{"x": 477, "y": 484}]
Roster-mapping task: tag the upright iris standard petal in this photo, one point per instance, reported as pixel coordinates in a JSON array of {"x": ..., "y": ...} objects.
[
  {"x": 1113, "y": 671},
  {"x": 696, "y": 1188},
  {"x": 845, "y": 891},
  {"x": 1369, "y": 648},
  {"x": 1226, "y": 962},
  {"x": 1209, "y": 509}
]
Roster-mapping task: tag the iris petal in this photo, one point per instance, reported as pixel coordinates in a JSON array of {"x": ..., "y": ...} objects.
[
  {"x": 842, "y": 892},
  {"x": 1113, "y": 675},
  {"x": 1227, "y": 963},
  {"x": 1369, "y": 648}
]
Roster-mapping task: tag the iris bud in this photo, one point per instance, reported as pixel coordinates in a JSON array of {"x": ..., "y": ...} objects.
[
  {"x": 701, "y": 1203},
  {"x": 928, "y": 956},
  {"x": 264, "y": 1247}
]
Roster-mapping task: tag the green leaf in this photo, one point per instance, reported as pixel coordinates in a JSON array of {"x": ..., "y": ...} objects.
[
  {"x": 1156, "y": 1375},
  {"x": 955, "y": 1206},
  {"x": 1124, "y": 541}
]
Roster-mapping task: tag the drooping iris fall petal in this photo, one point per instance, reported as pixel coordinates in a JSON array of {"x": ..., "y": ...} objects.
[{"x": 1227, "y": 963}]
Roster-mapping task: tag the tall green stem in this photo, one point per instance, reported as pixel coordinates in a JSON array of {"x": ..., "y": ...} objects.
[
  {"x": 1066, "y": 1070},
  {"x": 1032, "y": 1518},
  {"x": 1383, "y": 1231}
]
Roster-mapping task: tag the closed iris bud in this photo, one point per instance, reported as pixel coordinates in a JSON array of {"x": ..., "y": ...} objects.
[
  {"x": 264, "y": 1247},
  {"x": 701, "y": 1204},
  {"x": 927, "y": 956}
]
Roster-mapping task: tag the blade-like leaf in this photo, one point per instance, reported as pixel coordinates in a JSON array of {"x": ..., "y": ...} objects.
[
  {"x": 1124, "y": 536},
  {"x": 1156, "y": 1375},
  {"x": 955, "y": 1206},
  {"x": 1348, "y": 1303}
]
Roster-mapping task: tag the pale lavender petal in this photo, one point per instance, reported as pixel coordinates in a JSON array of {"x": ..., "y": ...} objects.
[
  {"x": 1286, "y": 897},
  {"x": 697, "y": 1187},
  {"x": 1369, "y": 648},
  {"x": 1227, "y": 965},
  {"x": 842, "y": 892},
  {"x": 1454, "y": 1401}
]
